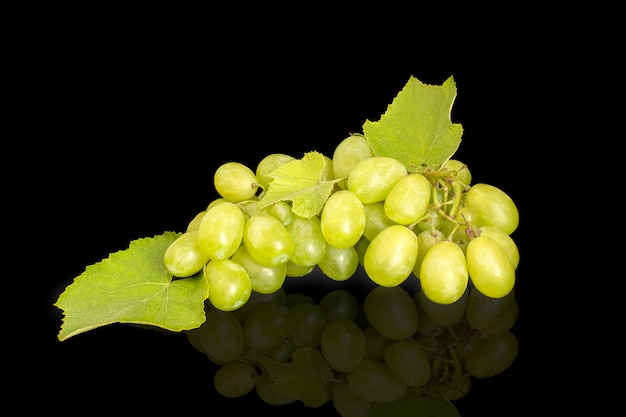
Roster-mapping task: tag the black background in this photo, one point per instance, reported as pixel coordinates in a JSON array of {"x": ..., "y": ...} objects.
[{"x": 134, "y": 121}]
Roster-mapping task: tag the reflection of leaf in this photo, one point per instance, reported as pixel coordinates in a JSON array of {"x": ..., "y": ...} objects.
[
  {"x": 307, "y": 378},
  {"x": 300, "y": 181},
  {"x": 133, "y": 286},
  {"x": 416, "y": 128},
  {"x": 415, "y": 405}
]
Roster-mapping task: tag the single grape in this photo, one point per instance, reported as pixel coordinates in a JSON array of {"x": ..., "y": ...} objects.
[
  {"x": 408, "y": 199},
  {"x": 375, "y": 220},
  {"x": 489, "y": 357},
  {"x": 409, "y": 362},
  {"x": 490, "y": 267},
  {"x": 220, "y": 336},
  {"x": 295, "y": 270},
  {"x": 373, "y": 381},
  {"x": 350, "y": 150},
  {"x": 391, "y": 311},
  {"x": 339, "y": 264},
  {"x": 372, "y": 178},
  {"x": 194, "y": 224},
  {"x": 444, "y": 274},
  {"x": 229, "y": 284},
  {"x": 183, "y": 257},
  {"x": 342, "y": 219},
  {"x": 264, "y": 279},
  {"x": 494, "y": 206},
  {"x": 235, "y": 379},
  {"x": 282, "y": 211},
  {"x": 432, "y": 220},
  {"x": 391, "y": 255},
  {"x": 342, "y": 344},
  {"x": 463, "y": 174},
  {"x": 267, "y": 165},
  {"x": 505, "y": 240},
  {"x": 308, "y": 239},
  {"x": 267, "y": 240},
  {"x": 235, "y": 181},
  {"x": 425, "y": 239},
  {"x": 221, "y": 230}
]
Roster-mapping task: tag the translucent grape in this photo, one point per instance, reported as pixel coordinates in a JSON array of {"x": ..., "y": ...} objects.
[
  {"x": 391, "y": 311},
  {"x": 342, "y": 219},
  {"x": 309, "y": 242},
  {"x": 267, "y": 240},
  {"x": 183, "y": 257},
  {"x": 268, "y": 164},
  {"x": 463, "y": 174},
  {"x": 221, "y": 230},
  {"x": 494, "y": 206},
  {"x": 373, "y": 381},
  {"x": 194, "y": 224},
  {"x": 444, "y": 273},
  {"x": 235, "y": 181},
  {"x": 408, "y": 362},
  {"x": 264, "y": 279},
  {"x": 235, "y": 379},
  {"x": 425, "y": 239},
  {"x": 391, "y": 255},
  {"x": 350, "y": 150},
  {"x": 505, "y": 240},
  {"x": 342, "y": 344},
  {"x": 490, "y": 267},
  {"x": 372, "y": 178},
  {"x": 408, "y": 199},
  {"x": 229, "y": 284},
  {"x": 339, "y": 264},
  {"x": 375, "y": 220}
]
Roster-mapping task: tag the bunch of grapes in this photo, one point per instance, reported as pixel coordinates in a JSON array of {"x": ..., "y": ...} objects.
[{"x": 392, "y": 344}]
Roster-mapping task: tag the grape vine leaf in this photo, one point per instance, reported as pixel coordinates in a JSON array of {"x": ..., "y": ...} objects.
[
  {"x": 300, "y": 181},
  {"x": 133, "y": 286},
  {"x": 416, "y": 129},
  {"x": 415, "y": 405},
  {"x": 306, "y": 378}
]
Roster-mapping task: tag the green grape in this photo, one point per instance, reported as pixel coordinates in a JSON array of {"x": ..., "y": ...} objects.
[
  {"x": 350, "y": 150},
  {"x": 372, "y": 178},
  {"x": 494, "y": 207},
  {"x": 391, "y": 311},
  {"x": 264, "y": 279},
  {"x": 309, "y": 321},
  {"x": 229, "y": 284},
  {"x": 183, "y": 257},
  {"x": 432, "y": 220},
  {"x": 342, "y": 219},
  {"x": 484, "y": 312},
  {"x": 269, "y": 395},
  {"x": 375, "y": 220},
  {"x": 391, "y": 255},
  {"x": 489, "y": 357},
  {"x": 425, "y": 239},
  {"x": 235, "y": 182},
  {"x": 295, "y": 270},
  {"x": 456, "y": 229},
  {"x": 339, "y": 264},
  {"x": 339, "y": 304},
  {"x": 408, "y": 199},
  {"x": 309, "y": 242},
  {"x": 373, "y": 381},
  {"x": 235, "y": 379},
  {"x": 268, "y": 164},
  {"x": 505, "y": 240},
  {"x": 444, "y": 314},
  {"x": 194, "y": 224},
  {"x": 251, "y": 207},
  {"x": 282, "y": 211},
  {"x": 267, "y": 326},
  {"x": 221, "y": 230},
  {"x": 408, "y": 362},
  {"x": 505, "y": 323},
  {"x": 328, "y": 173},
  {"x": 361, "y": 248},
  {"x": 375, "y": 344},
  {"x": 220, "y": 336},
  {"x": 347, "y": 403},
  {"x": 267, "y": 240},
  {"x": 342, "y": 344},
  {"x": 490, "y": 267},
  {"x": 463, "y": 174},
  {"x": 444, "y": 273}
]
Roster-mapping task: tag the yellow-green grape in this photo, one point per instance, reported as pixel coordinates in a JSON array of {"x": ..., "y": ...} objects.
[
  {"x": 409, "y": 362},
  {"x": 235, "y": 181},
  {"x": 328, "y": 173},
  {"x": 294, "y": 270},
  {"x": 463, "y": 174},
  {"x": 372, "y": 178},
  {"x": 489, "y": 357},
  {"x": 375, "y": 219},
  {"x": 391, "y": 312},
  {"x": 183, "y": 257},
  {"x": 282, "y": 211},
  {"x": 309, "y": 242},
  {"x": 432, "y": 220},
  {"x": 342, "y": 219},
  {"x": 342, "y": 344},
  {"x": 485, "y": 312},
  {"x": 361, "y": 248},
  {"x": 408, "y": 199},
  {"x": 267, "y": 240},
  {"x": 268, "y": 164},
  {"x": 194, "y": 224},
  {"x": 339, "y": 264},
  {"x": 494, "y": 207},
  {"x": 444, "y": 273},
  {"x": 264, "y": 279},
  {"x": 373, "y": 381},
  {"x": 229, "y": 284},
  {"x": 221, "y": 230},
  {"x": 425, "y": 239},
  {"x": 490, "y": 267},
  {"x": 235, "y": 379},
  {"x": 391, "y": 255},
  {"x": 350, "y": 150},
  {"x": 505, "y": 240}
]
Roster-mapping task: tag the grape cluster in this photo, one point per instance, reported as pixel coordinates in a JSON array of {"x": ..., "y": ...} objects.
[
  {"x": 393, "y": 343},
  {"x": 429, "y": 222}
]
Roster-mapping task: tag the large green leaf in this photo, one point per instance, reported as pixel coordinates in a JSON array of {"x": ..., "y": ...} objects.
[
  {"x": 416, "y": 128},
  {"x": 133, "y": 286}
]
